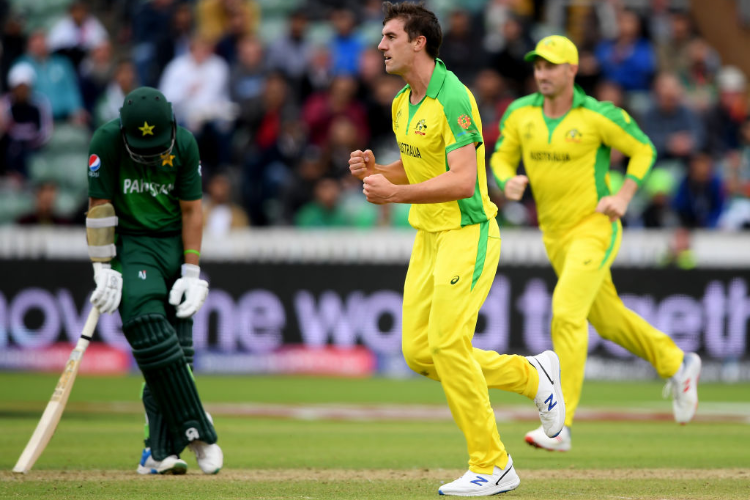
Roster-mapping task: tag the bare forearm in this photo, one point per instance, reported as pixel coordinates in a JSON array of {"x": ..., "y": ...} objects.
[
  {"x": 448, "y": 186},
  {"x": 628, "y": 189},
  {"x": 394, "y": 172},
  {"x": 192, "y": 234}
]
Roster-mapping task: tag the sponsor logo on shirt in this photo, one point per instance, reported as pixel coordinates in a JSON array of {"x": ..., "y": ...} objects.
[
  {"x": 409, "y": 150},
  {"x": 464, "y": 121},
  {"x": 94, "y": 163},
  {"x": 550, "y": 156},
  {"x": 395, "y": 122},
  {"x": 142, "y": 186}
]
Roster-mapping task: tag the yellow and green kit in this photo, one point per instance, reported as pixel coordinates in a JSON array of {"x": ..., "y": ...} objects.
[
  {"x": 453, "y": 263},
  {"x": 567, "y": 162}
]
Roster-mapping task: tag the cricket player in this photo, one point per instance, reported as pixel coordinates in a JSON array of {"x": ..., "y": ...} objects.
[
  {"x": 144, "y": 229},
  {"x": 564, "y": 139},
  {"x": 441, "y": 172}
]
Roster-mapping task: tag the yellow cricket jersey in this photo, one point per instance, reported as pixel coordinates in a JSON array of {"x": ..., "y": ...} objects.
[
  {"x": 567, "y": 158},
  {"x": 445, "y": 120}
]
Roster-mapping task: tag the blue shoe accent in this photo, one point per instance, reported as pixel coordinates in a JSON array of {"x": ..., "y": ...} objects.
[
  {"x": 479, "y": 481},
  {"x": 144, "y": 456}
]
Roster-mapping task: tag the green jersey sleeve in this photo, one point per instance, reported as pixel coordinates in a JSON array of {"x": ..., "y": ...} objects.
[
  {"x": 463, "y": 125},
  {"x": 189, "y": 185},
  {"x": 103, "y": 162}
]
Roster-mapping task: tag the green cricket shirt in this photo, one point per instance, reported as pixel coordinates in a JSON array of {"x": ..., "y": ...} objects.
[{"x": 146, "y": 197}]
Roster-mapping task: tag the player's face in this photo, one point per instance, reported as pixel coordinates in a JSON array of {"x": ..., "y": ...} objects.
[
  {"x": 553, "y": 79},
  {"x": 396, "y": 47}
]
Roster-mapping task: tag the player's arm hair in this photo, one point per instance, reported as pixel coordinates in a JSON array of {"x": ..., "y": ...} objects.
[
  {"x": 504, "y": 161},
  {"x": 394, "y": 172},
  {"x": 457, "y": 183},
  {"x": 100, "y": 229},
  {"x": 192, "y": 229}
]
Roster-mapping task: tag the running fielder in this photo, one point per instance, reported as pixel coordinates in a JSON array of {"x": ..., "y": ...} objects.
[
  {"x": 564, "y": 138},
  {"x": 144, "y": 228}
]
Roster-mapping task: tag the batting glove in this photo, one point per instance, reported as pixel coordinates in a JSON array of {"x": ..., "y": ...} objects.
[
  {"x": 192, "y": 287},
  {"x": 108, "y": 291}
]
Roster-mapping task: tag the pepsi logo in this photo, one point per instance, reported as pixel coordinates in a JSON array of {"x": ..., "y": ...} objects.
[{"x": 94, "y": 163}]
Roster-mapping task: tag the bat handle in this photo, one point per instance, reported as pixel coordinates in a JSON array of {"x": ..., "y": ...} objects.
[{"x": 88, "y": 329}]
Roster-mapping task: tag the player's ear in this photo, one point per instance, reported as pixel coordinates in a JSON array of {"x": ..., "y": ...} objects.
[{"x": 420, "y": 43}]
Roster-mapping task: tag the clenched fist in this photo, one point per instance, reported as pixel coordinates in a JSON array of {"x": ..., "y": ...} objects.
[
  {"x": 515, "y": 186},
  {"x": 361, "y": 164}
]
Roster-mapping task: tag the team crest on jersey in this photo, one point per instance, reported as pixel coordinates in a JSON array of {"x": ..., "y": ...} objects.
[
  {"x": 94, "y": 163},
  {"x": 420, "y": 128},
  {"x": 464, "y": 121},
  {"x": 573, "y": 135}
]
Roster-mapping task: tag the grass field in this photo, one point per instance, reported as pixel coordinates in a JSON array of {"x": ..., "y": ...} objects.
[{"x": 289, "y": 438}]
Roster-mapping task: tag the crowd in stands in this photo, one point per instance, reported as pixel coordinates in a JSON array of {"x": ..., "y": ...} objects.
[{"x": 278, "y": 92}]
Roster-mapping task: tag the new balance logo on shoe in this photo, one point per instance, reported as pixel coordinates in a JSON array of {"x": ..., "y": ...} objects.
[
  {"x": 479, "y": 481},
  {"x": 550, "y": 402}
]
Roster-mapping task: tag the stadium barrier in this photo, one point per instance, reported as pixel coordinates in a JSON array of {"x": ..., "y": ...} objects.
[{"x": 342, "y": 316}]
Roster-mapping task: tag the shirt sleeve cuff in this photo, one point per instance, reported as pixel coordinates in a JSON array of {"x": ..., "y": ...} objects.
[{"x": 463, "y": 141}]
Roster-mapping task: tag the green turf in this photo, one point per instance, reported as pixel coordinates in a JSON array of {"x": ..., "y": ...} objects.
[
  {"x": 103, "y": 444},
  {"x": 18, "y": 387}
]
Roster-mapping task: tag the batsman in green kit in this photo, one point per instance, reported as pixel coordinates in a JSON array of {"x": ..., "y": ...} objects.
[{"x": 144, "y": 228}]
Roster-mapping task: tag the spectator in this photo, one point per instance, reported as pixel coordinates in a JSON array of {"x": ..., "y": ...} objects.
[
  {"x": 299, "y": 187},
  {"x": 319, "y": 76},
  {"x": 123, "y": 82},
  {"x": 25, "y": 121},
  {"x": 492, "y": 101},
  {"x": 96, "y": 72},
  {"x": 275, "y": 143},
  {"x": 56, "y": 79},
  {"x": 291, "y": 53},
  {"x": 239, "y": 29},
  {"x": 215, "y": 17},
  {"x": 176, "y": 40},
  {"x": 197, "y": 85},
  {"x": 508, "y": 61},
  {"x": 149, "y": 22},
  {"x": 320, "y": 110},
  {"x": 378, "y": 104},
  {"x": 324, "y": 210},
  {"x": 220, "y": 214},
  {"x": 700, "y": 197},
  {"x": 659, "y": 186},
  {"x": 247, "y": 80},
  {"x": 725, "y": 119},
  {"x": 44, "y": 210},
  {"x": 13, "y": 43},
  {"x": 675, "y": 129},
  {"x": 76, "y": 34},
  {"x": 673, "y": 51},
  {"x": 629, "y": 59},
  {"x": 462, "y": 49},
  {"x": 700, "y": 77},
  {"x": 680, "y": 254},
  {"x": 345, "y": 46}
]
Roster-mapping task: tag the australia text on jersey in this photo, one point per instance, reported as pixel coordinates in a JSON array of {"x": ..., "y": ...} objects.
[
  {"x": 409, "y": 150},
  {"x": 130, "y": 186}
]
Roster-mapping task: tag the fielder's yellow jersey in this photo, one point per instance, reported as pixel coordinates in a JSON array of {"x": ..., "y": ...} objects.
[
  {"x": 446, "y": 119},
  {"x": 567, "y": 158}
]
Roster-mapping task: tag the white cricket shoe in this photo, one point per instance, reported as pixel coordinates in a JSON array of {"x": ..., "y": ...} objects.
[
  {"x": 539, "y": 439},
  {"x": 472, "y": 484},
  {"x": 549, "y": 396},
  {"x": 210, "y": 458},
  {"x": 170, "y": 465},
  {"x": 683, "y": 386}
]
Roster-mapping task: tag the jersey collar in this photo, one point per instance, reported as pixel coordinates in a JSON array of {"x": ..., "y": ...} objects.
[
  {"x": 437, "y": 79},
  {"x": 579, "y": 96}
]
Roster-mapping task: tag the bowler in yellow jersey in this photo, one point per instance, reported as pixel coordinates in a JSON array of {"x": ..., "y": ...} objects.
[
  {"x": 564, "y": 138},
  {"x": 441, "y": 172}
]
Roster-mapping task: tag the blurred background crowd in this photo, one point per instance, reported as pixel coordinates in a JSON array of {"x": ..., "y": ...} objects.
[{"x": 278, "y": 92}]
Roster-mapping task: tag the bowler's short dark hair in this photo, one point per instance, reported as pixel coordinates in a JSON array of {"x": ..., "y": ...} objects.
[{"x": 418, "y": 21}]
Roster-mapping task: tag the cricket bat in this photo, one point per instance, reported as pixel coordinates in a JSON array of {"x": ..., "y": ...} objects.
[{"x": 51, "y": 416}]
